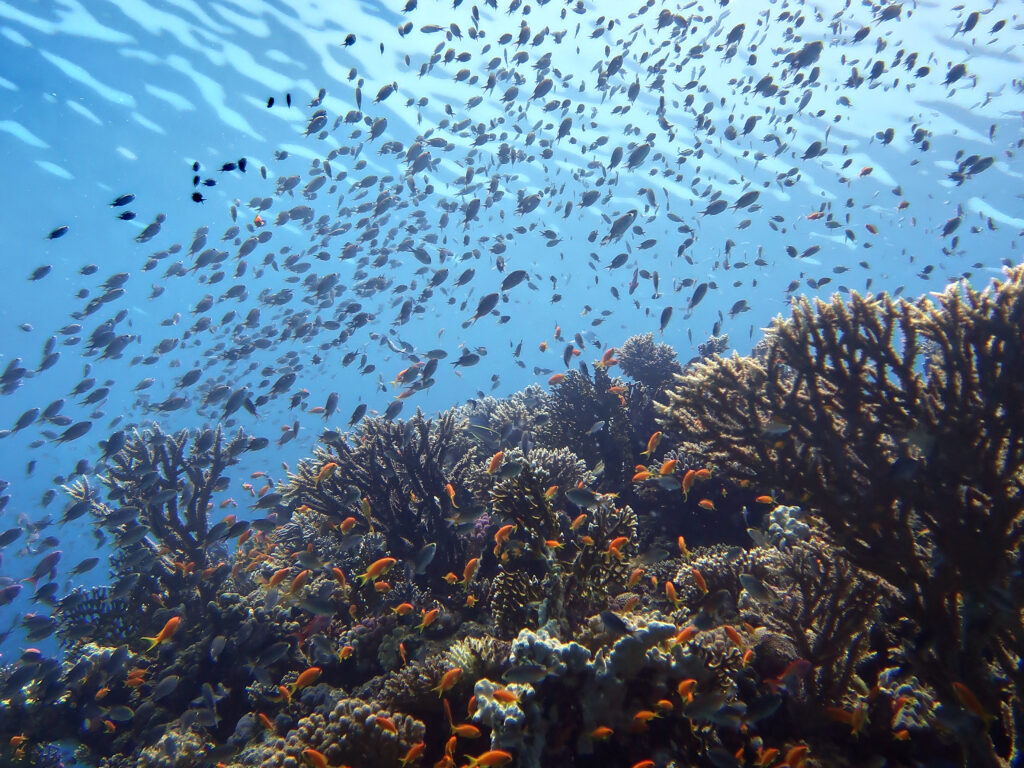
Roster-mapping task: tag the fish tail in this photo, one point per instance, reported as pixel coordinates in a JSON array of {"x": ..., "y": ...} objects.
[{"x": 153, "y": 643}]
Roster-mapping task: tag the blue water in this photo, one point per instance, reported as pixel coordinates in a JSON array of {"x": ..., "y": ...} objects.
[{"x": 101, "y": 99}]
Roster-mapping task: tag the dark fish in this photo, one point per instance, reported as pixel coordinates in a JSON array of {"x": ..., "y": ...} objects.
[
  {"x": 40, "y": 272},
  {"x": 424, "y": 558},
  {"x": 512, "y": 280},
  {"x": 357, "y": 414},
  {"x": 58, "y": 232},
  {"x": 122, "y": 200},
  {"x": 526, "y": 674},
  {"x": 11, "y": 534},
  {"x": 615, "y": 623},
  {"x": 86, "y": 565},
  {"x": 666, "y": 315},
  {"x": 699, "y": 292},
  {"x": 485, "y": 305},
  {"x": 583, "y": 498}
]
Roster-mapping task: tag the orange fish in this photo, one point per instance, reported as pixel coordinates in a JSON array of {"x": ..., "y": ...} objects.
[
  {"x": 306, "y": 679},
  {"x": 797, "y": 756},
  {"x": 325, "y": 473},
  {"x": 686, "y": 688},
  {"x": 668, "y": 467},
  {"x": 707, "y": 504},
  {"x": 735, "y": 637},
  {"x": 258, "y": 221},
  {"x": 550, "y": 492},
  {"x": 558, "y": 378},
  {"x": 670, "y": 593},
  {"x": 348, "y": 524},
  {"x": 578, "y": 521},
  {"x": 543, "y": 346},
  {"x": 448, "y": 681},
  {"x": 644, "y": 764},
  {"x": 466, "y": 731},
  {"x": 382, "y": 586},
  {"x": 403, "y": 609},
  {"x": 266, "y": 722},
  {"x": 764, "y": 500},
  {"x": 165, "y": 634},
  {"x": 601, "y": 733},
  {"x": 429, "y": 617},
  {"x": 502, "y": 534},
  {"x": 278, "y": 577},
  {"x": 866, "y": 170},
  {"x": 345, "y": 652},
  {"x": 645, "y": 716},
  {"x": 686, "y": 634},
  {"x": 415, "y": 753},
  {"x": 492, "y": 759},
  {"x": 689, "y": 478},
  {"x": 377, "y": 569},
  {"x": 652, "y": 444},
  {"x": 617, "y": 543},
  {"x": 703, "y": 473},
  {"x": 639, "y": 477},
  {"x": 470, "y": 571},
  {"x": 314, "y": 758},
  {"x": 682, "y": 548},
  {"x": 339, "y": 575},
  {"x": 386, "y": 724},
  {"x": 815, "y": 216},
  {"x": 871, "y": 228},
  {"x": 504, "y": 695},
  {"x": 496, "y": 460},
  {"x": 701, "y": 584},
  {"x": 451, "y": 494},
  {"x": 970, "y": 702},
  {"x": 299, "y": 581},
  {"x": 635, "y": 577}
]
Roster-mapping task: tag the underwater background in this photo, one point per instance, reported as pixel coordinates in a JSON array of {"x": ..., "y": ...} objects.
[{"x": 368, "y": 382}]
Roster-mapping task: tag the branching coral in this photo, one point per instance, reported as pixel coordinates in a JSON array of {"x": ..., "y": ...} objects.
[
  {"x": 398, "y": 471},
  {"x": 163, "y": 486},
  {"x": 896, "y": 423}
]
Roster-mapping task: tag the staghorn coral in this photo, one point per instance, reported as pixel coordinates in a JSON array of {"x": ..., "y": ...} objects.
[
  {"x": 891, "y": 419},
  {"x": 597, "y": 424},
  {"x": 647, "y": 362},
  {"x": 393, "y": 479},
  {"x": 170, "y": 480}
]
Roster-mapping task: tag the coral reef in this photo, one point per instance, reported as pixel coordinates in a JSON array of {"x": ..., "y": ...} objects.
[
  {"x": 814, "y": 561},
  {"x": 890, "y": 421}
]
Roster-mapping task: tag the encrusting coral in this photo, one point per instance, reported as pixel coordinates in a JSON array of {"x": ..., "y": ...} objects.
[{"x": 897, "y": 424}]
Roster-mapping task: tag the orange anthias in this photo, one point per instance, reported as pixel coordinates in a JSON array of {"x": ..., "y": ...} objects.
[
  {"x": 448, "y": 681},
  {"x": 165, "y": 634},
  {"x": 492, "y": 759},
  {"x": 377, "y": 569}
]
